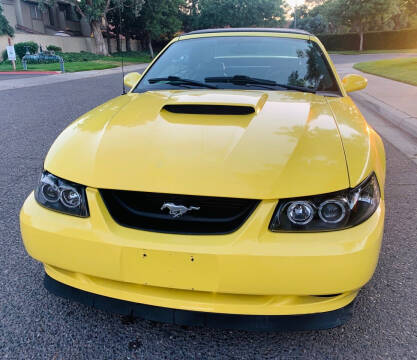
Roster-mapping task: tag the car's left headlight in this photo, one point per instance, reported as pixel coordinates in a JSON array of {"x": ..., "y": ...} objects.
[
  {"x": 335, "y": 211},
  {"x": 61, "y": 195}
]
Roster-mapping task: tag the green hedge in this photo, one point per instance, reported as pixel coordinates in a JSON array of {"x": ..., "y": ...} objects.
[
  {"x": 81, "y": 56},
  {"x": 20, "y": 49},
  {"x": 53, "y": 48},
  {"x": 376, "y": 40},
  {"x": 334, "y": 42}
]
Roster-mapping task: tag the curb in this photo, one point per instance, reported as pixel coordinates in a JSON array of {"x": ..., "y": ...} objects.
[
  {"x": 18, "y": 83},
  {"x": 29, "y": 72},
  {"x": 396, "y": 117}
]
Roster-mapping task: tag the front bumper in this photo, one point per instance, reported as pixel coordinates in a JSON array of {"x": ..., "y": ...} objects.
[
  {"x": 320, "y": 321},
  {"x": 251, "y": 271}
]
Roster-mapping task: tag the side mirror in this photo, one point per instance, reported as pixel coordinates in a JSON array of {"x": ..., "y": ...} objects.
[
  {"x": 354, "y": 82},
  {"x": 131, "y": 79}
]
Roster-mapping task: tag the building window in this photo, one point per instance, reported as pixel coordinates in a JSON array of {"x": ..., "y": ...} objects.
[
  {"x": 70, "y": 12},
  {"x": 35, "y": 12}
]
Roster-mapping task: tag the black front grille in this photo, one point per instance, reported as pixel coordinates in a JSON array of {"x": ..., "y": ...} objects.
[{"x": 143, "y": 210}]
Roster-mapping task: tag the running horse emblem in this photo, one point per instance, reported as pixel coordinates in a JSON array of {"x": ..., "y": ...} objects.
[{"x": 178, "y": 210}]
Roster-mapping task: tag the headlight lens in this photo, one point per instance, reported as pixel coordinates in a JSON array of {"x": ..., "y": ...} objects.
[
  {"x": 333, "y": 211},
  {"x": 61, "y": 195}
]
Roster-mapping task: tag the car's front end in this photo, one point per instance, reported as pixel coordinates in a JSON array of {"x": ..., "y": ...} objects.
[{"x": 195, "y": 206}]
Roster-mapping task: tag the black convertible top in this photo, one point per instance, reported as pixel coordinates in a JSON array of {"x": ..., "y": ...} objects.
[{"x": 272, "y": 30}]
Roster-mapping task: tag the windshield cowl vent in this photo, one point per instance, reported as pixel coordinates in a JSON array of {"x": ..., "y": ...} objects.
[{"x": 203, "y": 109}]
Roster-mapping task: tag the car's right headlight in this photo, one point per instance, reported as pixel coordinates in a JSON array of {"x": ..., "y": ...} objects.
[
  {"x": 334, "y": 211},
  {"x": 61, "y": 195}
]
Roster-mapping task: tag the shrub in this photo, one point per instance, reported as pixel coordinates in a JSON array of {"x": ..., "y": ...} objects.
[
  {"x": 383, "y": 40},
  {"x": 82, "y": 56},
  {"x": 20, "y": 48},
  {"x": 375, "y": 40},
  {"x": 340, "y": 41},
  {"x": 53, "y": 48}
]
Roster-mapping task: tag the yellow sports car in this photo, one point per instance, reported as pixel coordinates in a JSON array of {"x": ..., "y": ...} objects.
[{"x": 235, "y": 185}]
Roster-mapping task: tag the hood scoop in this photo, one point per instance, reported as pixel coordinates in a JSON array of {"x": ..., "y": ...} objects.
[
  {"x": 210, "y": 109},
  {"x": 216, "y": 102}
]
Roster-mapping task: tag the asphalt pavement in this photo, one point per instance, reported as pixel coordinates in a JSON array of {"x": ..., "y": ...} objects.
[{"x": 38, "y": 325}]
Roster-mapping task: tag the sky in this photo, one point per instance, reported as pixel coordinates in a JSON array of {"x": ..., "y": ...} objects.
[{"x": 295, "y": 2}]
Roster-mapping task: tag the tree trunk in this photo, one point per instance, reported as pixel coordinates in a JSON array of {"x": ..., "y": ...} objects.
[
  {"x": 101, "y": 46},
  {"x": 361, "y": 40},
  {"x": 128, "y": 43},
  {"x": 397, "y": 21},
  {"x": 108, "y": 40},
  {"x": 150, "y": 47},
  {"x": 119, "y": 47}
]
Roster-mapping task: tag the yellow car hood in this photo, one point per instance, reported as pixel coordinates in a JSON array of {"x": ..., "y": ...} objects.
[{"x": 290, "y": 146}]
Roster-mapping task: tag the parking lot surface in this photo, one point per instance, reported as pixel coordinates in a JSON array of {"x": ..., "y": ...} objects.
[{"x": 37, "y": 325}]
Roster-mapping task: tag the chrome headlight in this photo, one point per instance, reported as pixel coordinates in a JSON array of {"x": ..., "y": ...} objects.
[
  {"x": 61, "y": 195},
  {"x": 335, "y": 211}
]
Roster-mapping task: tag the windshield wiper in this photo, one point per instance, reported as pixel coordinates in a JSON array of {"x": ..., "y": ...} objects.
[
  {"x": 247, "y": 80},
  {"x": 175, "y": 80}
]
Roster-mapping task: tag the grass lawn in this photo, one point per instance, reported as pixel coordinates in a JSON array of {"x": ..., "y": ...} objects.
[
  {"x": 103, "y": 62},
  {"x": 351, "y": 52},
  {"x": 404, "y": 69},
  {"x": 69, "y": 67}
]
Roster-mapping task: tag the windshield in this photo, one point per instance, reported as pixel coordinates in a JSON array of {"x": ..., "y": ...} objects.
[{"x": 259, "y": 61}]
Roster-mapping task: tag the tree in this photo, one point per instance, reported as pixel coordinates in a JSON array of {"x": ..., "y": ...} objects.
[
  {"x": 240, "y": 13},
  {"x": 403, "y": 10},
  {"x": 313, "y": 19},
  {"x": 190, "y": 14},
  {"x": 359, "y": 14},
  {"x": 95, "y": 12},
  {"x": 5, "y": 28},
  {"x": 123, "y": 17},
  {"x": 158, "y": 19}
]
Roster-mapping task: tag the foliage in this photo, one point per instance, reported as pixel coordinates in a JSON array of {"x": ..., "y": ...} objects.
[
  {"x": 53, "y": 48},
  {"x": 340, "y": 16},
  {"x": 337, "y": 42},
  {"x": 20, "y": 48},
  {"x": 375, "y": 40},
  {"x": 84, "y": 61},
  {"x": 313, "y": 20},
  {"x": 357, "y": 14},
  {"x": 5, "y": 28},
  {"x": 128, "y": 55},
  {"x": 123, "y": 18},
  {"x": 77, "y": 57},
  {"x": 240, "y": 13},
  {"x": 160, "y": 18},
  {"x": 94, "y": 11}
]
